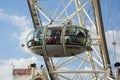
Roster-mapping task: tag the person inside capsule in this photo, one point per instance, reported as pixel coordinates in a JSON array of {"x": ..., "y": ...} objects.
[
  {"x": 74, "y": 35},
  {"x": 53, "y": 37}
]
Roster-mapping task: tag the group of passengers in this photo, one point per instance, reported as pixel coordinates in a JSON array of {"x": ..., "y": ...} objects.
[{"x": 54, "y": 38}]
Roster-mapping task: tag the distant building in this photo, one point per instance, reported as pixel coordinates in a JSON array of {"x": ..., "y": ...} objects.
[
  {"x": 31, "y": 73},
  {"x": 21, "y": 74}
]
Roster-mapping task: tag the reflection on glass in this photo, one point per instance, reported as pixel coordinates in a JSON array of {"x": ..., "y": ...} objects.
[
  {"x": 74, "y": 35},
  {"x": 77, "y": 36},
  {"x": 53, "y": 36},
  {"x": 35, "y": 38}
]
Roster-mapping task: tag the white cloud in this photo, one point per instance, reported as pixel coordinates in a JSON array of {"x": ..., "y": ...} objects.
[
  {"x": 2, "y": 14},
  {"x": 1, "y": 10},
  {"x": 22, "y": 39},
  {"x": 6, "y": 67},
  {"x": 20, "y": 21},
  {"x": 110, "y": 37},
  {"x": 23, "y": 24}
]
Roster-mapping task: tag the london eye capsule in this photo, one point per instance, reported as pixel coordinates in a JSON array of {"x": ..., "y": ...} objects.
[{"x": 59, "y": 40}]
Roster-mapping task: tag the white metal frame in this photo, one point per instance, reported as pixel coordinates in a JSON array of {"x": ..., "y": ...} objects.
[{"x": 94, "y": 60}]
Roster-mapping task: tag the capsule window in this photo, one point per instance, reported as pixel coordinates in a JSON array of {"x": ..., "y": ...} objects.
[
  {"x": 75, "y": 35},
  {"x": 35, "y": 38},
  {"x": 53, "y": 36}
]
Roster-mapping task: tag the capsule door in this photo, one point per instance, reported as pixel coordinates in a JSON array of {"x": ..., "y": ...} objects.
[{"x": 53, "y": 42}]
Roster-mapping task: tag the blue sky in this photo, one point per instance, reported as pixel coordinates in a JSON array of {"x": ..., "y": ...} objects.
[
  {"x": 9, "y": 44},
  {"x": 15, "y": 23}
]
